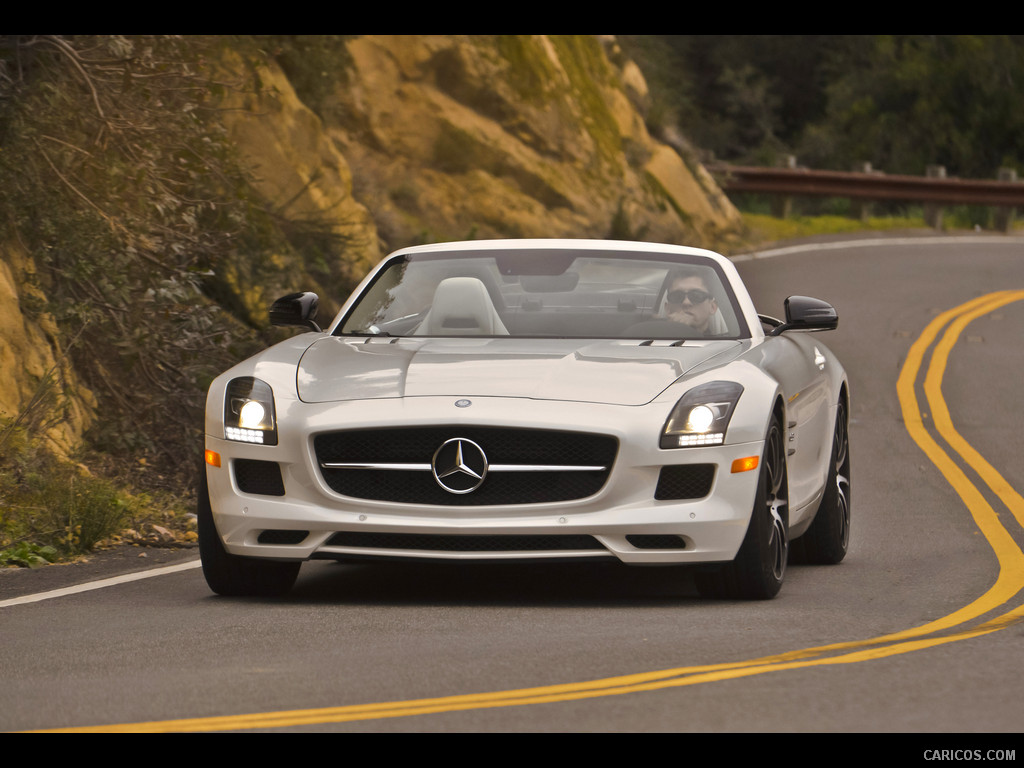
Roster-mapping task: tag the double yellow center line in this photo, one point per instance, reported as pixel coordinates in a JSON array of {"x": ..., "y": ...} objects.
[{"x": 946, "y": 328}]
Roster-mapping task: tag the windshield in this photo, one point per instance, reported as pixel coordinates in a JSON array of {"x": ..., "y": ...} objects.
[{"x": 548, "y": 293}]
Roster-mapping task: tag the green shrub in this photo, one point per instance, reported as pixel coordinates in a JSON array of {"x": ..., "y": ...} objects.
[
  {"x": 72, "y": 512},
  {"x": 52, "y": 508},
  {"x": 27, "y": 555}
]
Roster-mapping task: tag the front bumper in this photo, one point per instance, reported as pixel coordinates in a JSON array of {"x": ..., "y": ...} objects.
[{"x": 622, "y": 520}]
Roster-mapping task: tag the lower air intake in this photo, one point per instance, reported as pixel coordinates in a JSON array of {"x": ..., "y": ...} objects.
[
  {"x": 681, "y": 482},
  {"x": 464, "y": 543}
]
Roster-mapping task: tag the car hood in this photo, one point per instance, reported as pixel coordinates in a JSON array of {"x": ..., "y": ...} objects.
[{"x": 616, "y": 372}]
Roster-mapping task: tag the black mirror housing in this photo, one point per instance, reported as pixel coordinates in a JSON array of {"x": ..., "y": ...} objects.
[
  {"x": 804, "y": 313},
  {"x": 296, "y": 309}
]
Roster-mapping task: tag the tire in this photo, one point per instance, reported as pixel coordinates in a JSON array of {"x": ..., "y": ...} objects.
[
  {"x": 235, "y": 576},
  {"x": 826, "y": 541},
  {"x": 759, "y": 569}
]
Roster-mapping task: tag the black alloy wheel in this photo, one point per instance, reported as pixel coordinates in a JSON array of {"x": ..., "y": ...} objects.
[{"x": 759, "y": 569}]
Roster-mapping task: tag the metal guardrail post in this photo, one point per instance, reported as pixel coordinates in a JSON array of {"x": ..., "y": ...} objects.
[
  {"x": 860, "y": 208},
  {"x": 933, "y": 211},
  {"x": 782, "y": 205},
  {"x": 1004, "y": 214}
]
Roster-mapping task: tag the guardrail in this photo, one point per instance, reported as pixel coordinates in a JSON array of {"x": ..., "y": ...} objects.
[{"x": 933, "y": 190}]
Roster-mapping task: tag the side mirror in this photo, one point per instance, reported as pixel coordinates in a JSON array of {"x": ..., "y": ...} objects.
[
  {"x": 806, "y": 314},
  {"x": 296, "y": 309}
]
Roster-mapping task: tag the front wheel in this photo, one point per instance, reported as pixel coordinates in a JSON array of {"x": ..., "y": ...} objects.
[
  {"x": 758, "y": 571},
  {"x": 828, "y": 538},
  {"x": 235, "y": 576}
]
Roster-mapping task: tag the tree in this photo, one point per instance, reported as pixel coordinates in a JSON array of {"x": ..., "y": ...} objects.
[{"x": 904, "y": 102}]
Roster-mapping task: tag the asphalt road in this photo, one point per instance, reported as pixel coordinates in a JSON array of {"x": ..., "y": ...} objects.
[{"x": 918, "y": 630}]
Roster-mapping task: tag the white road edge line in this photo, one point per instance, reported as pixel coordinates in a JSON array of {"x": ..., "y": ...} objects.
[
  {"x": 841, "y": 244},
  {"x": 88, "y": 586}
]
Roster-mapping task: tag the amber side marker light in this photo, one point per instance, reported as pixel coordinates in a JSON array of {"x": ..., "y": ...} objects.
[
  {"x": 213, "y": 459},
  {"x": 745, "y": 464}
]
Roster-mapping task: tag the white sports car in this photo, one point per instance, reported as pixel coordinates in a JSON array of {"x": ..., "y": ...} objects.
[{"x": 533, "y": 399}]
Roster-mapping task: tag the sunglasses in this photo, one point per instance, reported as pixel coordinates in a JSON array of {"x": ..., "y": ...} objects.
[{"x": 695, "y": 295}]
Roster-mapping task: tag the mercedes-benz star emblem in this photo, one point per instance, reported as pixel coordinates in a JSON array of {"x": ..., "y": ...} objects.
[{"x": 459, "y": 465}]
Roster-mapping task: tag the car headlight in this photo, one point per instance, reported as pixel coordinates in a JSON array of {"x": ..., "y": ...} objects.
[
  {"x": 249, "y": 415},
  {"x": 702, "y": 415}
]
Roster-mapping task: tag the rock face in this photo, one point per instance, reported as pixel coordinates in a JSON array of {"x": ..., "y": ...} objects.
[
  {"x": 38, "y": 388},
  {"x": 301, "y": 175},
  {"x": 473, "y": 136}
]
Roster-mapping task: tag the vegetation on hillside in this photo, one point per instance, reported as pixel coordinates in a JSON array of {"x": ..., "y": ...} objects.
[
  {"x": 899, "y": 102},
  {"x": 117, "y": 178}
]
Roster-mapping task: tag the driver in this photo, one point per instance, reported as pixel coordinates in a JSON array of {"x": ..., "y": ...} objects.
[{"x": 689, "y": 301}]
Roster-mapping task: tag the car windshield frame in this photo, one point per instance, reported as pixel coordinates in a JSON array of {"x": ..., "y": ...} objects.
[{"x": 539, "y": 293}]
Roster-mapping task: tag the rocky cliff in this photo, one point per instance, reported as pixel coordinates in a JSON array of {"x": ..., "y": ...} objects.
[
  {"x": 38, "y": 386},
  {"x": 426, "y": 138},
  {"x": 412, "y": 138},
  {"x": 476, "y": 136}
]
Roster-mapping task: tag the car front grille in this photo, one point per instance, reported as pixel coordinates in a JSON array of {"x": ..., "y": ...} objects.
[{"x": 523, "y": 466}]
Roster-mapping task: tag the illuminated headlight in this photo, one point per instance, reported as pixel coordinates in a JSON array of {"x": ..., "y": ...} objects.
[
  {"x": 249, "y": 412},
  {"x": 702, "y": 415}
]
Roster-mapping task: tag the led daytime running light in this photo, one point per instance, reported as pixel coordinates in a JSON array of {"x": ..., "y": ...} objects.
[
  {"x": 244, "y": 435},
  {"x": 688, "y": 440}
]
